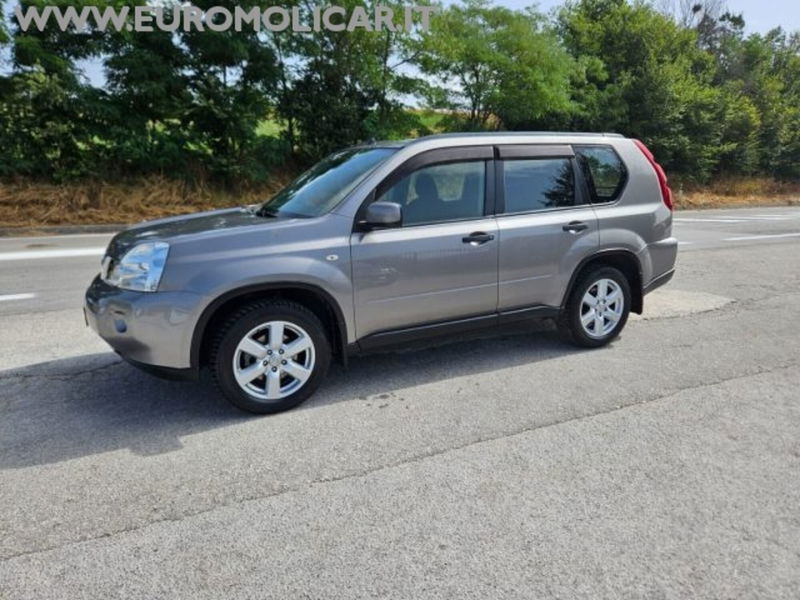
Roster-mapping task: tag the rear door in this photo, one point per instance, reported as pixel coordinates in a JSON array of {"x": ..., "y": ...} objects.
[
  {"x": 442, "y": 263},
  {"x": 546, "y": 224}
]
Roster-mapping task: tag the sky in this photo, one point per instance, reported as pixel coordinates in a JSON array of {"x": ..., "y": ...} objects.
[{"x": 760, "y": 16}]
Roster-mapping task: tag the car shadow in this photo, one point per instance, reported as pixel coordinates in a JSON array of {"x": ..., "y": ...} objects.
[{"x": 86, "y": 405}]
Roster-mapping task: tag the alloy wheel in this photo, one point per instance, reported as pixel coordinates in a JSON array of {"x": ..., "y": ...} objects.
[
  {"x": 602, "y": 308},
  {"x": 274, "y": 360}
]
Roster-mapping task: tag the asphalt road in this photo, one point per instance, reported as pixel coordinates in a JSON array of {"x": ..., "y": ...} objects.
[{"x": 664, "y": 466}]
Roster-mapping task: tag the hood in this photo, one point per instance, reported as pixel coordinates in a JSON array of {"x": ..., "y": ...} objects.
[{"x": 185, "y": 225}]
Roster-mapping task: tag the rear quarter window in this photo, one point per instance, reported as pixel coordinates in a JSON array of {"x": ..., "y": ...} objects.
[{"x": 604, "y": 171}]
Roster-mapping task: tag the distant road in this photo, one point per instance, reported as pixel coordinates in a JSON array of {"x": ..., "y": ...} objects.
[{"x": 51, "y": 273}]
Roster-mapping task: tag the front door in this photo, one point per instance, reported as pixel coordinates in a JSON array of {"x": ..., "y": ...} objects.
[{"x": 441, "y": 264}]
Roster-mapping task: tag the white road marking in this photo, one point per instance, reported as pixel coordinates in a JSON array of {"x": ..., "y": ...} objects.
[
  {"x": 766, "y": 218},
  {"x": 10, "y": 297},
  {"x": 45, "y": 237},
  {"x": 63, "y": 253},
  {"x": 707, "y": 220},
  {"x": 773, "y": 236},
  {"x": 685, "y": 243},
  {"x": 737, "y": 218}
]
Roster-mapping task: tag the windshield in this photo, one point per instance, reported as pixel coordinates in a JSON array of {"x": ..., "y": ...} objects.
[{"x": 324, "y": 185}]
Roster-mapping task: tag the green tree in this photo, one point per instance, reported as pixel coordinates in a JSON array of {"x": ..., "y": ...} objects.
[
  {"x": 232, "y": 77},
  {"x": 757, "y": 79},
  {"x": 48, "y": 109},
  {"x": 739, "y": 149},
  {"x": 46, "y": 126},
  {"x": 504, "y": 67},
  {"x": 784, "y": 157},
  {"x": 704, "y": 95},
  {"x": 55, "y": 51},
  {"x": 763, "y": 71},
  {"x": 148, "y": 89},
  {"x": 645, "y": 76},
  {"x": 183, "y": 103},
  {"x": 344, "y": 87},
  {"x": 4, "y": 35}
]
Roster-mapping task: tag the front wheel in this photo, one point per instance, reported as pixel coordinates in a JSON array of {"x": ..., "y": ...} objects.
[
  {"x": 597, "y": 309},
  {"x": 270, "y": 356}
]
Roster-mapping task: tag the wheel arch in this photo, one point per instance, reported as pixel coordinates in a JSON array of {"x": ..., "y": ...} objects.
[
  {"x": 312, "y": 297},
  {"x": 621, "y": 259}
]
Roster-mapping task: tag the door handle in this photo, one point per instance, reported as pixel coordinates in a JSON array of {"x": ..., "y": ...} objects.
[
  {"x": 477, "y": 238},
  {"x": 575, "y": 227}
]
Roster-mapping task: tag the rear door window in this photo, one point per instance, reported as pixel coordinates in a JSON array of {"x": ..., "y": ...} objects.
[
  {"x": 604, "y": 171},
  {"x": 538, "y": 184}
]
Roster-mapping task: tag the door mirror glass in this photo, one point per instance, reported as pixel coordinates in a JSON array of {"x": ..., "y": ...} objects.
[{"x": 383, "y": 214}]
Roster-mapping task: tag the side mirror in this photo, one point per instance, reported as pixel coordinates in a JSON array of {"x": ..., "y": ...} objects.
[{"x": 382, "y": 215}]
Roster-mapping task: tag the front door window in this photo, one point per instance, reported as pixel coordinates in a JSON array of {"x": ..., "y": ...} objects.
[{"x": 439, "y": 193}]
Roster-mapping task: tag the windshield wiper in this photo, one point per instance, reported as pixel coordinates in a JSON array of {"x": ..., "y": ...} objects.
[{"x": 265, "y": 211}]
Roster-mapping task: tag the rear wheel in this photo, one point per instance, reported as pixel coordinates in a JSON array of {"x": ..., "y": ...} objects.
[
  {"x": 270, "y": 356},
  {"x": 597, "y": 309}
]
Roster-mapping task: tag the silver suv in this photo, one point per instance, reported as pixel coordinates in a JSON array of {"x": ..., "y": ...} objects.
[{"x": 388, "y": 243}]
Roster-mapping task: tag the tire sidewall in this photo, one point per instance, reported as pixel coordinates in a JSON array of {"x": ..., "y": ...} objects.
[
  {"x": 223, "y": 362},
  {"x": 579, "y": 335}
]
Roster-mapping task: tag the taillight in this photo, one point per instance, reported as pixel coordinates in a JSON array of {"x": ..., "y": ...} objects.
[{"x": 666, "y": 193}]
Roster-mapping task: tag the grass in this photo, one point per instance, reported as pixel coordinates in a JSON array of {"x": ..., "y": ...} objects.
[
  {"x": 726, "y": 192},
  {"x": 269, "y": 128},
  {"x": 28, "y": 205},
  {"x": 431, "y": 119}
]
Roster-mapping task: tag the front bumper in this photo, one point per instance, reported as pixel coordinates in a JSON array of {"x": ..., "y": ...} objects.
[{"x": 151, "y": 330}]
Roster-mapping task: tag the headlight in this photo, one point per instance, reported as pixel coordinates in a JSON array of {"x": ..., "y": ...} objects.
[{"x": 139, "y": 269}]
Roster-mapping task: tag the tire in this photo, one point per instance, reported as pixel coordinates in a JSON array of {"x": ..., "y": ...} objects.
[
  {"x": 602, "y": 327},
  {"x": 256, "y": 341}
]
